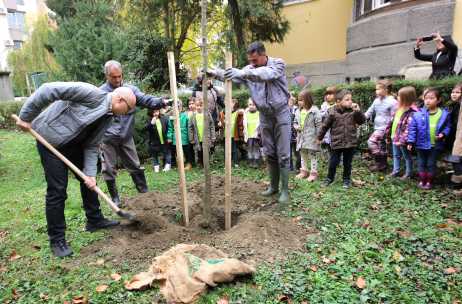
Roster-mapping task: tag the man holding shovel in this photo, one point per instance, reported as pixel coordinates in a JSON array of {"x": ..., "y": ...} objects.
[
  {"x": 118, "y": 140},
  {"x": 75, "y": 118},
  {"x": 266, "y": 80}
]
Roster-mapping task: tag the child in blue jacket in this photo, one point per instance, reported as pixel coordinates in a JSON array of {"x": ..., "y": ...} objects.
[{"x": 427, "y": 132}]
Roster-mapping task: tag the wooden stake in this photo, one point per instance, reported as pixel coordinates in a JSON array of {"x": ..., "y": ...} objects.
[
  {"x": 179, "y": 146},
  {"x": 228, "y": 130},
  {"x": 206, "y": 139}
]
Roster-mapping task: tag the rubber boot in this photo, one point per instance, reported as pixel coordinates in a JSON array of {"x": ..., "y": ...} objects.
[
  {"x": 112, "y": 188},
  {"x": 273, "y": 169},
  {"x": 140, "y": 181},
  {"x": 284, "y": 176}
]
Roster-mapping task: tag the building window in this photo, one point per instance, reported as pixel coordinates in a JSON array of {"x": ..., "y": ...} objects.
[
  {"x": 16, "y": 20},
  {"x": 365, "y": 6},
  {"x": 20, "y": 2},
  {"x": 17, "y": 44}
]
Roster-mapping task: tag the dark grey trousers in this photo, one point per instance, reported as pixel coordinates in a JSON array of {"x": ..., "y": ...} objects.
[
  {"x": 275, "y": 135},
  {"x": 126, "y": 151}
]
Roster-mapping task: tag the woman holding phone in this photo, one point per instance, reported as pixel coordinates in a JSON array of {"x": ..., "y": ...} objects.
[{"x": 443, "y": 59}]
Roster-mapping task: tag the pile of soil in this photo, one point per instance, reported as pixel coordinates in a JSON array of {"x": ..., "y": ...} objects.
[{"x": 258, "y": 234}]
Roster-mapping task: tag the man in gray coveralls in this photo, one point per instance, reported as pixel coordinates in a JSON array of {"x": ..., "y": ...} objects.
[{"x": 266, "y": 80}]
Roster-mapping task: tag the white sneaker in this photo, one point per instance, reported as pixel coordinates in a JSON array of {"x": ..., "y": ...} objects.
[
  {"x": 167, "y": 168},
  {"x": 156, "y": 169}
]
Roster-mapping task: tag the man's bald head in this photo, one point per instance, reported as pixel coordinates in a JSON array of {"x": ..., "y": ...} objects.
[{"x": 123, "y": 100}]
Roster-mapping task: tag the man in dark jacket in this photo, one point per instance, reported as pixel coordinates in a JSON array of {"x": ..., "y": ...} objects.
[
  {"x": 118, "y": 141},
  {"x": 75, "y": 118},
  {"x": 443, "y": 59}
]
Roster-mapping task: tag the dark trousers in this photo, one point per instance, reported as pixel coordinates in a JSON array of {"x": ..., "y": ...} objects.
[
  {"x": 56, "y": 175},
  {"x": 189, "y": 154},
  {"x": 236, "y": 148},
  {"x": 298, "y": 158},
  {"x": 334, "y": 161},
  {"x": 163, "y": 150}
]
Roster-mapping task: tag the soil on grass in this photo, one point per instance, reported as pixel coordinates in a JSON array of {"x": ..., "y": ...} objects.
[{"x": 258, "y": 234}]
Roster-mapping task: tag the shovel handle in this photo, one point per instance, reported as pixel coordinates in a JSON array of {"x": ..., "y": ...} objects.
[{"x": 76, "y": 170}]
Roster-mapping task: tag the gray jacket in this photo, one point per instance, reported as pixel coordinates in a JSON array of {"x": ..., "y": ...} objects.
[
  {"x": 382, "y": 111},
  {"x": 194, "y": 133},
  {"x": 307, "y": 138},
  {"x": 72, "y": 106},
  {"x": 267, "y": 84},
  {"x": 122, "y": 125}
]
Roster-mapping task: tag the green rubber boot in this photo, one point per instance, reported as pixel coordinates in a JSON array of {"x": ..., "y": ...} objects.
[
  {"x": 284, "y": 197},
  {"x": 273, "y": 188}
]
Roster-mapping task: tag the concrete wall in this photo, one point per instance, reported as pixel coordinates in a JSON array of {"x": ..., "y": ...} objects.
[{"x": 6, "y": 88}]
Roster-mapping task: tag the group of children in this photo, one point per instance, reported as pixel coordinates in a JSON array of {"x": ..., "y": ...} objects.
[
  {"x": 162, "y": 144},
  {"x": 405, "y": 124}
]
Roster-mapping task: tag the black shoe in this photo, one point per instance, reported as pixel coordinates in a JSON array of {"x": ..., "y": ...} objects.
[
  {"x": 346, "y": 184},
  {"x": 103, "y": 224},
  {"x": 327, "y": 182},
  {"x": 60, "y": 249}
]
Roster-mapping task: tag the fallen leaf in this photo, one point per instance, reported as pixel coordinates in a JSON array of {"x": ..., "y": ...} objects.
[
  {"x": 14, "y": 256},
  {"x": 67, "y": 302},
  {"x": 443, "y": 205},
  {"x": 3, "y": 268},
  {"x": 451, "y": 270},
  {"x": 3, "y": 234},
  {"x": 358, "y": 183},
  {"x": 375, "y": 207},
  {"x": 366, "y": 224},
  {"x": 102, "y": 288},
  {"x": 397, "y": 256},
  {"x": 361, "y": 283},
  {"x": 44, "y": 296},
  {"x": 326, "y": 260},
  {"x": 223, "y": 301},
  {"x": 15, "y": 294},
  {"x": 314, "y": 268},
  {"x": 304, "y": 302},
  {"x": 116, "y": 276},
  {"x": 79, "y": 300},
  {"x": 454, "y": 222},
  {"x": 442, "y": 226},
  {"x": 284, "y": 298},
  {"x": 100, "y": 262},
  {"x": 404, "y": 233},
  {"x": 140, "y": 281}
]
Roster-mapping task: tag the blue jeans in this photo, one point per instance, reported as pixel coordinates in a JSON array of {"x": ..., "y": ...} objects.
[
  {"x": 163, "y": 150},
  {"x": 334, "y": 161},
  {"x": 398, "y": 152},
  {"x": 426, "y": 160}
]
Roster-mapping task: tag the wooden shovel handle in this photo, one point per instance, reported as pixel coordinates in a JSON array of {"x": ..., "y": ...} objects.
[{"x": 76, "y": 170}]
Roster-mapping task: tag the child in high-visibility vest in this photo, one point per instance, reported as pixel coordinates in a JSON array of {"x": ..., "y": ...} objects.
[
  {"x": 157, "y": 128},
  {"x": 251, "y": 131},
  {"x": 196, "y": 129}
]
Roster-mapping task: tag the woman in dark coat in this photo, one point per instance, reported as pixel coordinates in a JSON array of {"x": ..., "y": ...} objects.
[{"x": 443, "y": 59}]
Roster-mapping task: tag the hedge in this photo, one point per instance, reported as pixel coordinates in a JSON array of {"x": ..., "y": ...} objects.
[{"x": 363, "y": 94}]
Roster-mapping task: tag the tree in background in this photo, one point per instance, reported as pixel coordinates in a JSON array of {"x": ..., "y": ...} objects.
[
  {"x": 87, "y": 38},
  {"x": 252, "y": 20},
  {"x": 33, "y": 56}
]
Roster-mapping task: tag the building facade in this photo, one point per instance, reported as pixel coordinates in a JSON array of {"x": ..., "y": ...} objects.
[
  {"x": 15, "y": 15},
  {"x": 335, "y": 41}
]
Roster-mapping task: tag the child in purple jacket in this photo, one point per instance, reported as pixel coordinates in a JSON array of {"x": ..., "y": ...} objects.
[
  {"x": 427, "y": 132},
  {"x": 399, "y": 131}
]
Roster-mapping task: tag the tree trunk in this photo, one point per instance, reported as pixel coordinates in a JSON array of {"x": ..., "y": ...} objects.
[
  {"x": 238, "y": 28},
  {"x": 206, "y": 132}
]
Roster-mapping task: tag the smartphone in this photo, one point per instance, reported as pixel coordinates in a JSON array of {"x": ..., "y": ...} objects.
[{"x": 428, "y": 38}]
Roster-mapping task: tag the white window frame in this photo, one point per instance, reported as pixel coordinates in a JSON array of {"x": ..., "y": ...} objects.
[{"x": 376, "y": 4}]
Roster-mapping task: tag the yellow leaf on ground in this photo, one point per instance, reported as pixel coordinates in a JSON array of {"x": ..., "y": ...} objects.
[
  {"x": 116, "y": 276},
  {"x": 101, "y": 288}
]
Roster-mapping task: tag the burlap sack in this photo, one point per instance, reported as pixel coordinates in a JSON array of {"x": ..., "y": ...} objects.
[{"x": 185, "y": 271}]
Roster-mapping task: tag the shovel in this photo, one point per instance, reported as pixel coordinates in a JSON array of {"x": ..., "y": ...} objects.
[{"x": 124, "y": 214}]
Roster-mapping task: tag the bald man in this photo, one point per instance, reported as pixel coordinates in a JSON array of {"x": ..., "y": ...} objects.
[
  {"x": 73, "y": 117},
  {"x": 118, "y": 141}
]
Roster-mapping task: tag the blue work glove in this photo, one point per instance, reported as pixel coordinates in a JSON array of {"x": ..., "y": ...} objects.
[{"x": 233, "y": 73}]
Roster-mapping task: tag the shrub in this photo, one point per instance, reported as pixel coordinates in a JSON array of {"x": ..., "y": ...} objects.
[{"x": 7, "y": 108}]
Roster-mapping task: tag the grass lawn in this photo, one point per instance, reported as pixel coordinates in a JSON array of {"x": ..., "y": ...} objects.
[{"x": 382, "y": 242}]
